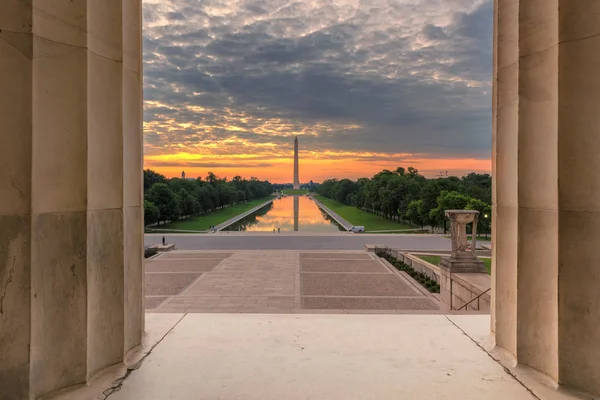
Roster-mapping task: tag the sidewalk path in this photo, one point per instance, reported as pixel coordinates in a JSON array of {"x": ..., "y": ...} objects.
[
  {"x": 347, "y": 225},
  {"x": 298, "y": 241},
  {"x": 242, "y": 215}
]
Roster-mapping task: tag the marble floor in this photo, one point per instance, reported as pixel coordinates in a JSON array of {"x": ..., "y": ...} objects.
[
  {"x": 298, "y": 325},
  {"x": 321, "y": 357}
]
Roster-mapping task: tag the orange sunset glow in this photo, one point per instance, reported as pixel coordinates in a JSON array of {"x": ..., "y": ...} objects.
[
  {"x": 365, "y": 86},
  {"x": 312, "y": 166}
]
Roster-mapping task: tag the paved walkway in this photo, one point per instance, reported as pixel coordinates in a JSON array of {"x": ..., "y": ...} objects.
[
  {"x": 300, "y": 241},
  {"x": 280, "y": 282},
  {"x": 347, "y": 225}
]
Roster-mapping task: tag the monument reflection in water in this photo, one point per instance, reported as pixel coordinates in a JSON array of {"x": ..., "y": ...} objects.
[{"x": 292, "y": 213}]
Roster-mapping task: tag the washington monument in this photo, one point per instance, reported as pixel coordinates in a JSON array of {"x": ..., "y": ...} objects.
[{"x": 296, "y": 179}]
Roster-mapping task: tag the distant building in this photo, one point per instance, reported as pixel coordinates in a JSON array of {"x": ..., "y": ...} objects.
[{"x": 182, "y": 174}]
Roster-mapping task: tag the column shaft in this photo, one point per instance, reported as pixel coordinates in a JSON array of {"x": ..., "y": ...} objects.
[
  {"x": 71, "y": 266},
  {"x": 494, "y": 168},
  {"x": 133, "y": 173},
  {"x": 553, "y": 281},
  {"x": 506, "y": 174},
  {"x": 16, "y": 53},
  {"x": 579, "y": 194},
  {"x": 537, "y": 284},
  {"x": 59, "y": 196},
  {"x": 105, "y": 295}
]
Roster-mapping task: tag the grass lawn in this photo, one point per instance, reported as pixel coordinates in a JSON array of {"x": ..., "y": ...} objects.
[
  {"x": 435, "y": 260},
  {"x": 294, "y": 191},
  {"x": 358, "y": 217},
  {"x": 204, "y": 222}
]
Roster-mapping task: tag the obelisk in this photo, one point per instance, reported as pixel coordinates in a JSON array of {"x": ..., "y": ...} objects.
[{"x": 296, "y": 179}]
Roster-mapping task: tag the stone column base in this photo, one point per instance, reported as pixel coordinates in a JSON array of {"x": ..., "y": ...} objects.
[{"x": 469, "y": 265}]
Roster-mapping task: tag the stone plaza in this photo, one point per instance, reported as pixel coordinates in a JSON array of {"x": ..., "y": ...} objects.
[
  {"x": 278, "y": 282},
  {"x": 72, "y": 277}
]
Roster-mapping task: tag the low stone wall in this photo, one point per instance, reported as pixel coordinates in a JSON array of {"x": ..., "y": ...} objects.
[
  {"x": 456, "y": 290},
  {"x": 422, "y": 266},
  {"x": 163, "y": 247}
]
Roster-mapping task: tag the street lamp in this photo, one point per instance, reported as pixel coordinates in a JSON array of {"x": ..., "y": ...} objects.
[{"x": 486, "y": 226}]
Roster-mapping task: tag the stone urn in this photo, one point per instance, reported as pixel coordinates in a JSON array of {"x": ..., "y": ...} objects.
[{"x": 462, "y": 259}]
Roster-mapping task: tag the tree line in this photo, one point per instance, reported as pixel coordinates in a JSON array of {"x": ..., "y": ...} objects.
[
  {"x": 175, "y": 198},
  {"x": 406, "y": 196}
]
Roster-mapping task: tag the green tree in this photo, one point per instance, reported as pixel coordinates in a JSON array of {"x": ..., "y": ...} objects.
[
  {"x": 478, "y": 186},
  {"x": 226, "y": 194},
  {"x": 485, "y": 211},
  {"x": 189, "y": 204},
  {"x": 212, "y": 179},
  {"x": 416, "y": 213},
  {"x": 343, "y": 190},
  {"x": 208, "y": 198},
  {"x": 166, "y": 201},
  {"x": 151, "y": 213},
  {"x": 151, "y": 177},
  {"x": 448, "y": 200},
  {"x": 240, "y": 196}
]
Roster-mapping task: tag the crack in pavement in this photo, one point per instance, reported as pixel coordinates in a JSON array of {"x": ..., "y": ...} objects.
[
  {"x": 119, "y": 382},
  {"x": 506, "y": 369}
]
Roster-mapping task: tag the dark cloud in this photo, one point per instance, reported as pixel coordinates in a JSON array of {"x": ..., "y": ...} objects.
[
  {"x": 403, "y": 76},
  {"x": 175, "y": 16}
]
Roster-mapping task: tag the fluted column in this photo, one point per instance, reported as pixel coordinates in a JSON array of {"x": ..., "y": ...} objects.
[
  {"x": 16, "y": 53},
  {"x": 494, "y": 216},
  {"x": 505, "y": 174},
  {"x": 547, "y": 303},
  {"x": 537, "y": 282},
  {"x": 59, "y": 270},
  {"x": 105, "y": 261},
  {"x": 133, "y": 155},
  {"x": 579, "y": 194},
  {"x": 70, "y": 167}
]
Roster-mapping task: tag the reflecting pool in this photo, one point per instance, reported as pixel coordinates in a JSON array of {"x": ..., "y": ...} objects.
[{"x": 291, "y": 213}]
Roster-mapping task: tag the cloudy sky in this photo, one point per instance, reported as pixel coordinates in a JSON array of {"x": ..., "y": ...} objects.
[{"x": 365, "y": 84}]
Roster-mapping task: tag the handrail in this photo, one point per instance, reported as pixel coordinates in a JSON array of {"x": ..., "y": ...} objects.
[{"x": 475, "y": 298}]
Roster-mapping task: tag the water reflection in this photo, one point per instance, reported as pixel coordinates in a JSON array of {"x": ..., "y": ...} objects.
[
  {"x": 246, "y": 223},
  {"x": 292, "y": 213},
  {"x": 296, "y": 212}
]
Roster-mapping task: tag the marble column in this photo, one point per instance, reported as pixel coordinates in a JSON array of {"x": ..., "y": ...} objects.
[
  {"x": 505, "y": 150},
  {"x": 16, "y": 53},
  {"x": 494, "y": 217},
  {"x": 133, "y": 161},
  {"x": 537, "y": 264},
  {"x": 70, "y": 167},
  {"x": 579, "y": 194},
  {"x": 547, "y": 305}
]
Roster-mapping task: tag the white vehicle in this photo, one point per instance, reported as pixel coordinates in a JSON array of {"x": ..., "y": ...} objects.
[{"x": 357, "y": 229}]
